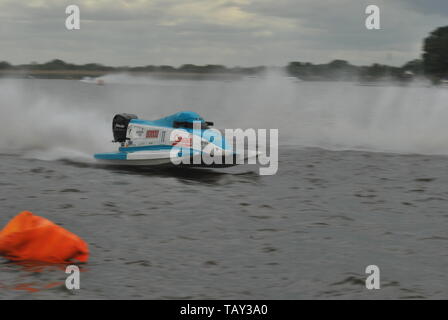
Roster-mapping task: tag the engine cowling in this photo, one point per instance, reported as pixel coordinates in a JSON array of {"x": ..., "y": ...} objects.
[{"x": 120, "y": 126}]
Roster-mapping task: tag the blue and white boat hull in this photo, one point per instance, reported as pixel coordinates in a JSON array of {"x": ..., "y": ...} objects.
[{"x": 170, "y": 140}]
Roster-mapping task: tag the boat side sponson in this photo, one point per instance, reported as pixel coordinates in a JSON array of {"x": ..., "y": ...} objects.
[{"x": 142, "y": 158}]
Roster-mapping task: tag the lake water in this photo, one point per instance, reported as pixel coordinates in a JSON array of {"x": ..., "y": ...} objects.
[{"x": 362, "y": 180}]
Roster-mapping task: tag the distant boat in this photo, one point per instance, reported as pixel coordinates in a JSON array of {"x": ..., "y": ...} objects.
[{"x": 100, "y": 82}]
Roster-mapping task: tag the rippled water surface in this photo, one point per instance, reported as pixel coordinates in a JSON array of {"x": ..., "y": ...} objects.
[{"x": 362, "y": 180}]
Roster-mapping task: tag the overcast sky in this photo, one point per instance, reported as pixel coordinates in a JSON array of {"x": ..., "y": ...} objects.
[{"x": 230, "y": 32}]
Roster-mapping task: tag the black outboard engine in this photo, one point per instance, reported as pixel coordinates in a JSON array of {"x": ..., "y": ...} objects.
[{"x": 120, "y": 126}]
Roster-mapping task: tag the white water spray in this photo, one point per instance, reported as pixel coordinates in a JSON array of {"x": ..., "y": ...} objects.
[{"x": 54, "y": 119}]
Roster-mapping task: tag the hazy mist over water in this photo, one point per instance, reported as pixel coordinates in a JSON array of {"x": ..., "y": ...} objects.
[
  {"x": 65, "y": 114},
  {"x": 362, "y": 180}
]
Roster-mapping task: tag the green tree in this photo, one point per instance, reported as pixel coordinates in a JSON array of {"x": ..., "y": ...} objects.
[
  {"x": 5, "y": 65},
  {"x": 338, "y": 64},
  {"x": 435, "y": 53},
  {"x": 416, "y": 66}
]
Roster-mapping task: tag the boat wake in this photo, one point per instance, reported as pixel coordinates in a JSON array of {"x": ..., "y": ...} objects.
[{"x": 51, "y": 120}]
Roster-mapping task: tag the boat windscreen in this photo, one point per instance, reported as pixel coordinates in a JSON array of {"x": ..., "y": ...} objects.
[{"x": 189, "y": 125}]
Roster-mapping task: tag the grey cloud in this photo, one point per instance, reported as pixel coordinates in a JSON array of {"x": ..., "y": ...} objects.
[
  {"x": 269, "y": 32},
  {"x": 437, "y": 7}
]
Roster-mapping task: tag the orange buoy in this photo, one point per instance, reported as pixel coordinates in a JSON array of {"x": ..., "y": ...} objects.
[{"x": 33, "y": 238}]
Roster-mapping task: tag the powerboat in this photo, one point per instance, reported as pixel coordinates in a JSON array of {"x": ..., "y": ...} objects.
[{"x": 183, "y": 138}]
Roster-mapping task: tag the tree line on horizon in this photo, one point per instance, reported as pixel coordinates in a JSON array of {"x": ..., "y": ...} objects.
[
  {"x": 58, "y": 64},
  {"x": 334, "y": 70},
  {"x": 432, "y": 65}
]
